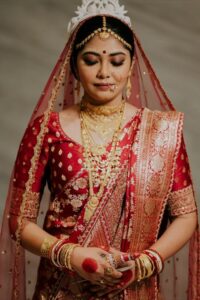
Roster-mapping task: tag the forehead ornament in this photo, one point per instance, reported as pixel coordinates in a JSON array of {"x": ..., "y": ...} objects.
[{"x": 103, "y": 33}]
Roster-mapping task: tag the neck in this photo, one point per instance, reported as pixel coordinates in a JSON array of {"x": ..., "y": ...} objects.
[
  {"x": 111, "y": 102},
  {"x": 101, "y": 110}
]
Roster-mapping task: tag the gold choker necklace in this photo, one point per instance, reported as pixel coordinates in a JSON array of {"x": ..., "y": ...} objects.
[
  {"x": 101, "y": 122},
  {"x": 100, "y": 109}
]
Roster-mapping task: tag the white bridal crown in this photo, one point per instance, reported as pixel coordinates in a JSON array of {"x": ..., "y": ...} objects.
[{"x": 91, "y": 8}]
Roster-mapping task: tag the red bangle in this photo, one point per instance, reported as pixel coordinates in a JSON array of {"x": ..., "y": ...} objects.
[{"x": 161, "y": 258}]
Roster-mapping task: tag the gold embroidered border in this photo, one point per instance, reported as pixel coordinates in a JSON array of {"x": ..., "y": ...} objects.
[
  {"x": 182, "y": 201},
  {"x": 156, "y": 149},
  {"x": 31, "y": 207}
]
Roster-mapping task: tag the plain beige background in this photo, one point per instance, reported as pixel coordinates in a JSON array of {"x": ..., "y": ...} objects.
[{"x": 33, "y": 33}]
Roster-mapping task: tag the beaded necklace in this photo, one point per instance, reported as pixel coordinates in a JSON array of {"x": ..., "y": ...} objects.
[{"x": 100, "y": 165}]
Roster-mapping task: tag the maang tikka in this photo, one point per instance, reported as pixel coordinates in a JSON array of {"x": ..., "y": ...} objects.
[{"x": 104, "y": 33}]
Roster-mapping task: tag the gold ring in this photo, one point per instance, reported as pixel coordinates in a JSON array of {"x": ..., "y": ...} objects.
[{"x": 108, "y": 270}]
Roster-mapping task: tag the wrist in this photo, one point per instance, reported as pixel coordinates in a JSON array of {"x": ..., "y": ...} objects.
[
  {"x": 46, "y": 246},
  {"x": 74, "y": 256},
  {"x": 148, "y": 263},
  {"x": 59, "y": 251}
]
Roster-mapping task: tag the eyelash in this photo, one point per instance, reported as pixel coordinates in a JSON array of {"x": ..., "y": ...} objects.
[{"x": 115, "y": 64}]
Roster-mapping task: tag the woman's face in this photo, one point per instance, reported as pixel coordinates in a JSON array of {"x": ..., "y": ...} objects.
[{"x": 103, "y": 68}]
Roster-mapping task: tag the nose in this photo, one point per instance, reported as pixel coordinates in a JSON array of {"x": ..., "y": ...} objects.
[{"x": 103, "y": 71}]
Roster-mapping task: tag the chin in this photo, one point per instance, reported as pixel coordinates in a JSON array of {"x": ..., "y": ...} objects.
[{"x": 103, "y": 97}]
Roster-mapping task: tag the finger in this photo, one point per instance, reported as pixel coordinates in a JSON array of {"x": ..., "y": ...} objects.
[
  {"x": 102, "y": 251},
  {"x": 111, "y": 279},
  {"x": 114, "y": 251},
  {"x": 110, "y": 271}
]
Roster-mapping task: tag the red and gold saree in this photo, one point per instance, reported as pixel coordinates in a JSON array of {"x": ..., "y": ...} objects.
[{"x": 152, "y": 183}]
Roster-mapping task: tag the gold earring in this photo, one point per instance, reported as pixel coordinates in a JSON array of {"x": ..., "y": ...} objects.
[{"x": 128, "y": 87}]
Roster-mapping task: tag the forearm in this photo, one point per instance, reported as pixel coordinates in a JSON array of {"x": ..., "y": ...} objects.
[
  {"x": 32, "y": 236},
  {"x": 176, "y": 235}
]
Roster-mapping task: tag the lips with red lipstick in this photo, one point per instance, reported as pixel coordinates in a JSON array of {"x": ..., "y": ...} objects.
[{"x": 104, "y": 86}]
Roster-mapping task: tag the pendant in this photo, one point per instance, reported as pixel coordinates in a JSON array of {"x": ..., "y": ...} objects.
[
  {"x": 90, "y": 207},
  {"x": 98, "y": 150}
]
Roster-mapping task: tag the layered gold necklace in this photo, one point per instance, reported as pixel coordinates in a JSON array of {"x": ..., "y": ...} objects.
[{"x": 102, "y": 164}]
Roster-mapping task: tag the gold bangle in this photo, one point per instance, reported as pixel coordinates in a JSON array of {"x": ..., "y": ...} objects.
[
  {"x": 46, "y": 247},
  {"x": 145, "y": 267},
  {"x": 65, "y": 254}
]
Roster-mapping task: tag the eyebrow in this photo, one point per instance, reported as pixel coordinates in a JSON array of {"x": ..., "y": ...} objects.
[{"x": 97, "y": 54}]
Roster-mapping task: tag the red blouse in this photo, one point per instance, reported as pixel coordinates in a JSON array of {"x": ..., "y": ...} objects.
[{"x": 61, "y": 165}]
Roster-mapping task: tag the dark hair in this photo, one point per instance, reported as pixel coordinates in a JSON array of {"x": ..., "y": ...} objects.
[{"x": 90, "y": 25}]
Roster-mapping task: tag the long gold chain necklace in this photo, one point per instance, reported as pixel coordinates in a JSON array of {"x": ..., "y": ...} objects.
[{"x": 99, "y": 168}]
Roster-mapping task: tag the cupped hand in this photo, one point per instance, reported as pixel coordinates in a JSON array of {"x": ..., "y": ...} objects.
[
  {"x": 127, "y": 279},
  {"x": 90, "y": 263}
]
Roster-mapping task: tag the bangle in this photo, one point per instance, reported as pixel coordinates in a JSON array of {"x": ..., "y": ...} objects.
[
  {"x": 58, "y": 251},
  {"x": 46, "y": 247},
  {"x": 54, "y": 253},
  {"x": 145, "y": 266},
  {"x": 157, "y": 259},
  {"x": 65, "y": 255}
]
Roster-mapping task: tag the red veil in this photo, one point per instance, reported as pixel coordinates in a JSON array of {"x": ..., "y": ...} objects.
[{"x": 17, "y": 275}]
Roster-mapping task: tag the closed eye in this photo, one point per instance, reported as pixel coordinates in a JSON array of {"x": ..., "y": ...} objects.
[
  {"x": 90, "y": 62},
  {"x": 117, "y": 63}
]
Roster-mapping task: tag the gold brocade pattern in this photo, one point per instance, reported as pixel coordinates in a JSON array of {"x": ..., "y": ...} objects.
[
  {"x": 156, "y": 149},
  {"x": 104, "y": 233},
  {"x": 31, "y": 206},
  {"x": 156, "y": 154},
  {"x": 182, "y": 201}
]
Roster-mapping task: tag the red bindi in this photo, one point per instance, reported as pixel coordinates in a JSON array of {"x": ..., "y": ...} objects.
[
  {"x": 89, "y": 265},
  {"x": 104, "y": 51}
]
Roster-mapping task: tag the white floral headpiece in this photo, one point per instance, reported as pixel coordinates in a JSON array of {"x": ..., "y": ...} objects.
[{"x": 91, "y": 8}]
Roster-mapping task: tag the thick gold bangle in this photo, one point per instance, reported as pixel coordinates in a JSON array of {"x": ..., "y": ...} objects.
[
  {"x": 145, "y": 267},
  {"x": 46, "y": 246}
]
